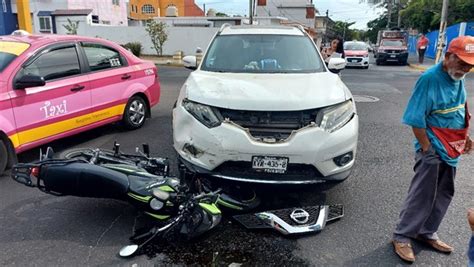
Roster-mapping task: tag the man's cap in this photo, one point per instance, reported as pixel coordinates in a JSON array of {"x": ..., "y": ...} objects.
[{"x": 463, "y": 47}]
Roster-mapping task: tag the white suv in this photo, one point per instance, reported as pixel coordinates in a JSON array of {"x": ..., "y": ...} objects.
[{"x": 262, "y": 107}]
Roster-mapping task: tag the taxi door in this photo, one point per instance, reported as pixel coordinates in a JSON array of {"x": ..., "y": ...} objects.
[{"x": 58, "y": 108}]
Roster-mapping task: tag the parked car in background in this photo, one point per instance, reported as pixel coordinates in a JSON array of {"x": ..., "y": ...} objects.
[
  {"x": 392, "y": 47},
  {"x": 357, "y": 54},
  {"x": 262, "y": 107},
  {"x": 53, "y": 86}
]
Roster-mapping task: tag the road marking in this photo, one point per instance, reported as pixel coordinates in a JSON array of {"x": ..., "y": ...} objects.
[
  {"x": 372, "y": 87},
  {"x": 365, "y": 98}
]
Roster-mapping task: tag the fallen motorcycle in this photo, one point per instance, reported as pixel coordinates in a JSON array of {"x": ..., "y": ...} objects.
[
  {"x": 169, "y": 202},
  {"x": 232, "y": 197},
  {"x": 145, "y": 182}
]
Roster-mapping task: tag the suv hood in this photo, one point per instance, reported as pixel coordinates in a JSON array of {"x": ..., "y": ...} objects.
[{"x": 265, "y": 92}]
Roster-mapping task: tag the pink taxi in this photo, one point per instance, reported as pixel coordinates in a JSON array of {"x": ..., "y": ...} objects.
[
  {"x": 53, "y": 86},
  {"x": 357, "y": 54}
]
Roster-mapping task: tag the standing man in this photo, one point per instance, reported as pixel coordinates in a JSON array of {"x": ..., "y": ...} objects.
[
  {"x": 438, "y": 113},
  {"x": 421, "y": 46}
]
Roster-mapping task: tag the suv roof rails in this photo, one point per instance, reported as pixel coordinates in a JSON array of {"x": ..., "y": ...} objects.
[
  {"x": 300, "y": 27},
  {"x": 225, "y": 25}
]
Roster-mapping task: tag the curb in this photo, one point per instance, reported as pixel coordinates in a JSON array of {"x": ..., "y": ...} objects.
[
  {"x": 169, "y": 65},
  {"x": 418, "y": 67}
]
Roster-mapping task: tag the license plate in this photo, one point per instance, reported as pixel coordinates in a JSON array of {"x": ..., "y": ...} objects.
[
  {"x": 270, "y": 164},
  {"x": 393, "y": 55},
  {"x": 354, "y": 61}
]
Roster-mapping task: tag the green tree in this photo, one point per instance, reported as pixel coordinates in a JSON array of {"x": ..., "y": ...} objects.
[
  {"x": 157, "y": 32},
  {"x": 375, "y": 26},
  {"x": 394, "y": 5},
  {"x": 71, "y": 27},
  {"x": 221, "y": 14},
  {"x": 425, "y": 15},
  {"x": 342, "y": 30}
]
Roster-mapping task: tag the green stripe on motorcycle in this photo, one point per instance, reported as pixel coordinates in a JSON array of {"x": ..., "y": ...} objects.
[
  {"x": 140, "y": 198},
  {"x": 212, "y": 208},
  {"x": 129, "y": 170},
  {"x": 225, "y": 204},
  {"x": 166, "y": 188},
  {"x": 159, "y": 217}
]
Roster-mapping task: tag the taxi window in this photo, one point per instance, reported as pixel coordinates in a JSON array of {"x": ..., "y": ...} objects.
[
  {"x": 102, "y": 57},
  {"x": 9, "y": 51},
  {"x": 55, "y": 64}
]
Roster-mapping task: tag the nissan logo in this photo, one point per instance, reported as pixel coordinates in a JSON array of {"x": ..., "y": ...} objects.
[{"x": 299, "y": 216}]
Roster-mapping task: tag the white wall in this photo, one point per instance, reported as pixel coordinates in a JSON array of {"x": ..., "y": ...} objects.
[
  {"x": 116, "y": 15},
  {"x": 63, "y": 20},
  {"x": 293, "y": 10},
  {"x": 184, "y": 39}
]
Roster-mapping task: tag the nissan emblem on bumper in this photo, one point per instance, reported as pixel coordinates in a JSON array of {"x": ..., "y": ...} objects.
[
  {"x": 300, "y": 216},
  {"x": 293, "y": 220}
]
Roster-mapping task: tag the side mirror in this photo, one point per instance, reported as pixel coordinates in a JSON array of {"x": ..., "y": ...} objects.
[
  {"x": 336, "y": 65},
  {"x": 190, "y": 62},
  {"x": 29, "y": 81}
]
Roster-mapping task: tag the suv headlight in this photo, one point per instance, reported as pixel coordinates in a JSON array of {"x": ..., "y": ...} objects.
[
  {"x": 204, "y": 114},
  {"x": 334, "y": 117}
]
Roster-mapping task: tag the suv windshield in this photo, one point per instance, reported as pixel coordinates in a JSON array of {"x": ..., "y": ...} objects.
[
  {"x": 355, "y": 46},
  {"x": 9, "y": 51},
  {"x": 269, "y": 53},
  {"x": 392, "y": 43}
]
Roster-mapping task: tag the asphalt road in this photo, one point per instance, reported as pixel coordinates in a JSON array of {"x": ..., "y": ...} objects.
[{"x": 43, "y": 230}]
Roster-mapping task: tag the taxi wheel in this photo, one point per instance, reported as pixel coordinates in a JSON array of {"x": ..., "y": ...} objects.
[
  {"x": 3, "y": 157},
  {"x": 135, "y": 113}
]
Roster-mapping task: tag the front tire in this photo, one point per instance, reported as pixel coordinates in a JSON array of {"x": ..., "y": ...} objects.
[
  {"x": 135, "y": 113},
  {"x": 3, "y": 157}
]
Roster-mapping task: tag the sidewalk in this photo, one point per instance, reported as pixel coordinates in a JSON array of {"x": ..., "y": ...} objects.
[
  {"x": 163, "y": 60},
  {"x": 427, "y": 63},
  {"x": 413, "y": 62}
]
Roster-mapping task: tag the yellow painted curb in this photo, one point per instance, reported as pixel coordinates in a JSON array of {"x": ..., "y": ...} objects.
[{"x": 418, "y": 67}]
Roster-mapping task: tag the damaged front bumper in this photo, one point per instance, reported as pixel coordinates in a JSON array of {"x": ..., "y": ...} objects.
[{"x": 226, "y": 151}]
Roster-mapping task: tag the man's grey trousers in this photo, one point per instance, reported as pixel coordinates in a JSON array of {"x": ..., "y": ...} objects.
[{"x": 429, "y": 196}]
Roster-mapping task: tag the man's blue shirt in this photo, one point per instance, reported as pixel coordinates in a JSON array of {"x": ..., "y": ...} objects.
[{"x": 438, "y": 101}]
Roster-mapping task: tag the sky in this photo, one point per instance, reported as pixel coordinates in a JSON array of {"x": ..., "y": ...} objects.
[{"x": 343, "y": 10}]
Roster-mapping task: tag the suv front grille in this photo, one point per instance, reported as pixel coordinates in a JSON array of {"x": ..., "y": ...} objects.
[
  {"x": 277, "y": 125},
  {"x": 243, "y": 169}
]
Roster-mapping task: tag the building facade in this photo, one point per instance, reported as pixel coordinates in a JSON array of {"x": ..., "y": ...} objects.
[
  {"x": 325, "y": 29},
  {"x": 149, "y": 9},
  {"x": 8, "y": 20},
  {"x": 44, "y": 13},
  {"x": 296, "y": 11}
]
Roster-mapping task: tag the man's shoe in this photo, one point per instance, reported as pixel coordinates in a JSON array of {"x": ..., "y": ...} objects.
[
  {"x": 437, "y": 245},
  {"x": 404, "y": 251}
]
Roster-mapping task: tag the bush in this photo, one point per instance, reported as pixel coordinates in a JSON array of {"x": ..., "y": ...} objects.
[{"x": 134, "y": 47}]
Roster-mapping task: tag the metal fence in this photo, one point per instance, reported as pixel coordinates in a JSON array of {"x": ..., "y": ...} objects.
[{"x": 460, "y": 29}]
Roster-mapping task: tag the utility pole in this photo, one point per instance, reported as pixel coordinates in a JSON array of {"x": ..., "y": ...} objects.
[
  {"x": 442, "y": 30},
  {"x": 251, "y": 11},
  {"x": 204, "y": 8},
  {"x": 344, "y": 32},
  {"x": 389, "y": 16},
  {"x": 399, "y": 8}
]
